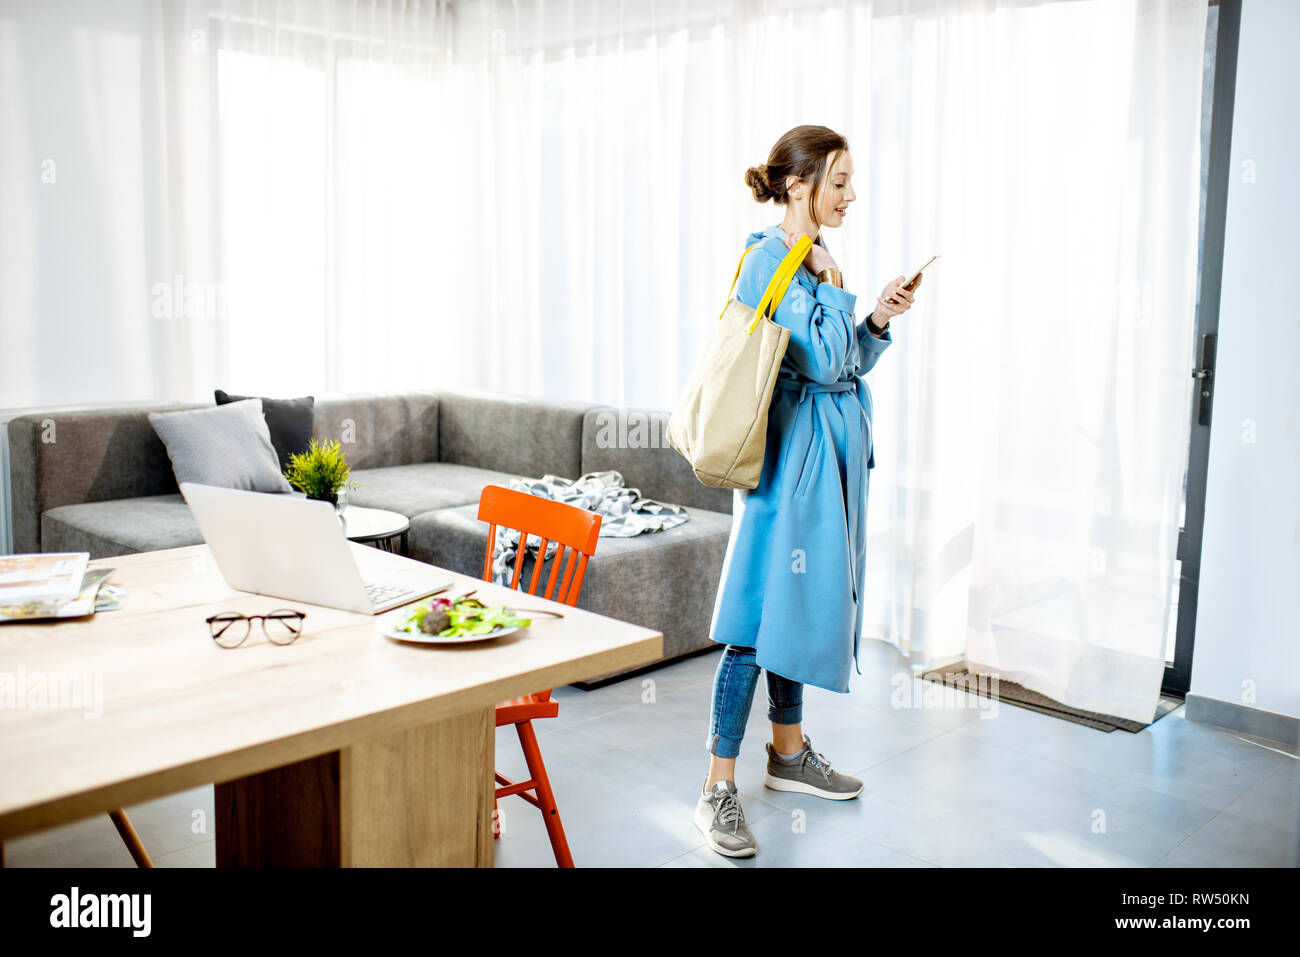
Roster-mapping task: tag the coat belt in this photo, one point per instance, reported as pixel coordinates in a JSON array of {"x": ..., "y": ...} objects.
[{"x": 807, "y": 385}]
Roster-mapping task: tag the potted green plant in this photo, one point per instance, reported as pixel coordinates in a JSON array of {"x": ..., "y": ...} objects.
[{"x": 321, "y": 472}]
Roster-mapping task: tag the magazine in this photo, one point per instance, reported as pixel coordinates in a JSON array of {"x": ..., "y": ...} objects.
[
  {"x": 93, "y": 596},
  {"x": 51, "y": 576}
]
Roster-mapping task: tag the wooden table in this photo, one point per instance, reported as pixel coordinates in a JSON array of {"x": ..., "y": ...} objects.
[{"x": 343, "y": 748}]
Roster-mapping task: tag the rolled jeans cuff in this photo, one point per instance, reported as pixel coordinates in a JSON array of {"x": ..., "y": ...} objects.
[{"x": 722, "y": 746}]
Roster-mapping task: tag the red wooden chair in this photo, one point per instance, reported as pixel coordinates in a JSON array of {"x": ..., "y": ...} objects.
[{"x": 575, "y": 530}]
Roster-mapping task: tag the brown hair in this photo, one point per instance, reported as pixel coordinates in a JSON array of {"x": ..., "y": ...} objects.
[{"x": 802, "y": 152}]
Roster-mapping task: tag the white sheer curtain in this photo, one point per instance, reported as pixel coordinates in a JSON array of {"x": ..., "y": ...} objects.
[
  {"x": 223, "y": 193},
  {"x": 314, "y": 140},
  {"x": 1039, "y": 407},
  {"x": 546, "y": 197}
]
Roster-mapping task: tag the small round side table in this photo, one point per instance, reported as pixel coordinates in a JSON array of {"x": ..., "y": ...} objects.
[{"x": 376, "y": 526}]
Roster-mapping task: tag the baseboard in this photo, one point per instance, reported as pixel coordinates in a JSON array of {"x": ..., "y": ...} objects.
[{"x": 1282, "y": 728}]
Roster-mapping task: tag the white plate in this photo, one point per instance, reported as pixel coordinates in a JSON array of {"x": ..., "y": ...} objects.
[{"x": 385, "y": 623}]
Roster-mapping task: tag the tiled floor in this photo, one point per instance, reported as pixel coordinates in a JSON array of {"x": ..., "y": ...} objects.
[{"x": 962, "y": 784}]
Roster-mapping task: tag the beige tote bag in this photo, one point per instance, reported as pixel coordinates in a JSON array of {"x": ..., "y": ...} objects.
[{"x": 720, "y": 422}]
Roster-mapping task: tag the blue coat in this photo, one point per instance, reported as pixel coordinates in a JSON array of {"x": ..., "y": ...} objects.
[{"x": 793, "y": 574}]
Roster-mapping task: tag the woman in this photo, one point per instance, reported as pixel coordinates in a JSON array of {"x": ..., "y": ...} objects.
[{"x": 789, "y": 599}]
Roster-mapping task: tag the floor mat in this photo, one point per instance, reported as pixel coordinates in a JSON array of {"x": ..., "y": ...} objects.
[{"x": 957, "y": 676}]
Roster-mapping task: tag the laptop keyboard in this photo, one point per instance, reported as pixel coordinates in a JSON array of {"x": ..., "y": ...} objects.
[{"x": 379, "y": 593}]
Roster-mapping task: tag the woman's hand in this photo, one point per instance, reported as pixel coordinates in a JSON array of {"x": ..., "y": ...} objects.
[
  {"x": 894, "y": 300},
  {"x": 817, "y": 257}
]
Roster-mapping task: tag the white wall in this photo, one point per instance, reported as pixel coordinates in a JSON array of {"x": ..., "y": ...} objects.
[{"x": 1248, "y": 612}]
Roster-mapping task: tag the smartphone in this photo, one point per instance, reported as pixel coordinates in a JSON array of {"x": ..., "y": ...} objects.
[{"x": 917, "y": 275}]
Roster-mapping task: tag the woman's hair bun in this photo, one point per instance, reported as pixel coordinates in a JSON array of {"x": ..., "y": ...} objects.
[{"x": 756, "y": 179}]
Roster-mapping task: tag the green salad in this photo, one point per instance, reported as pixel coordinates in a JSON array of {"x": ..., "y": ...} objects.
[{"x": 450, "y": 619}]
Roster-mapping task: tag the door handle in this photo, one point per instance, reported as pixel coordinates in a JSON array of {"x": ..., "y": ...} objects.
[{"x": 1204, "y": 374}]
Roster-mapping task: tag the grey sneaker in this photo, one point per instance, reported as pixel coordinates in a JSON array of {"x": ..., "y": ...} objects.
[
  {"x": 808, "y": 772},
  {"x": 719, "y": 817}
]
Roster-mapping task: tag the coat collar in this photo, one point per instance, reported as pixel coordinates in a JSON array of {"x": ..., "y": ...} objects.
[
  {"x": 773, "y": 230},
  {"x": 804, "y": 274}
]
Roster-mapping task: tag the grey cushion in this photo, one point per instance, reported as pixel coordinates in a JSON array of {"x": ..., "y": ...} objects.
[
  {"x": 663, "y": 580},
  {"x": 380, "y": 429},
  {"x": 412, "y": 489},
  {"x": 635, "y": 442},
  {"x": 120, "y": 526},
  {"x": 511, "y": 433},
  {"x": 228, "y": 446}
]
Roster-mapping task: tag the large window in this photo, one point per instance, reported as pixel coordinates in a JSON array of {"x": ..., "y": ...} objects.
[
  {"x": 274, "y": 221},
  {"x": 337, "y": 226}
]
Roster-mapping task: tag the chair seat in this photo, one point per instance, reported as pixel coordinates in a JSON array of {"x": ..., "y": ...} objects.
[{"x": 529, "y": 707}]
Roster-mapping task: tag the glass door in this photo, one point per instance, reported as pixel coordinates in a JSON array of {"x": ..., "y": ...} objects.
[{"x": 1224, "y": 19}]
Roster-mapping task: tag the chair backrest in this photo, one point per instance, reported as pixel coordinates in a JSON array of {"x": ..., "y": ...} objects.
[{"x": 573, "y": 529}]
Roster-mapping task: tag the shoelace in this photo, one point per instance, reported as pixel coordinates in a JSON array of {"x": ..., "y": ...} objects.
[
  {"x": 817, "y": 760},
  {"x": 728, "y": 813}
]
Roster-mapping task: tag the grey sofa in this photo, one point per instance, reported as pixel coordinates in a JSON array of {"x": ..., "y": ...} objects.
[{"x": 100, "y": 481}]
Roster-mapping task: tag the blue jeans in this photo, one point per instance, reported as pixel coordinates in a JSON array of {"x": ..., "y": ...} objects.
[{"x": 733, "y": 695}]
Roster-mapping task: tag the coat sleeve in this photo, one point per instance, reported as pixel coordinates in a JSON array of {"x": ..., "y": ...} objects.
[
  {"x": 821, "y": 326},
  {"x": 871, "y": 346}
]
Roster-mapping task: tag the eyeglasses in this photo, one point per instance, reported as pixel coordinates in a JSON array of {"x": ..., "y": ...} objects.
[{"x": 281, "y": 627}]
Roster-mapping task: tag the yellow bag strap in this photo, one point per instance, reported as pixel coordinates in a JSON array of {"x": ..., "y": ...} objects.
[
  {"x": 779, "y": 282},
  {"x": 775, "y": 291}
]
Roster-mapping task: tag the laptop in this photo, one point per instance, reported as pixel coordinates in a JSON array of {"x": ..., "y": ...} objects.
[{"x": 292, "y": 547}]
